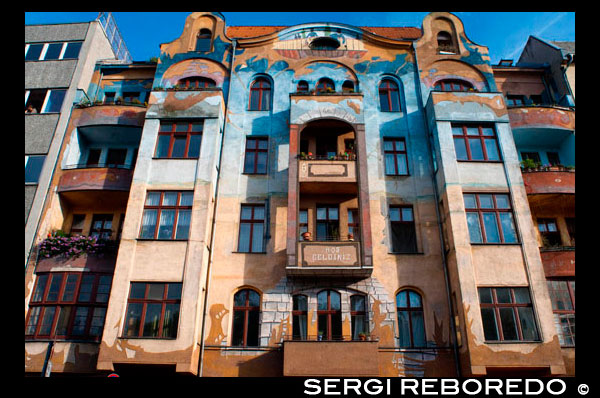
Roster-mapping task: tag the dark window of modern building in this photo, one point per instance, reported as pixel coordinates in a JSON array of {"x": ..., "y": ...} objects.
[
  {"x": 396, "y": 161},
  {"x": 325, "y": 85},
  {"x": 389, "y": 96},
  {"x": 507, "y": 314},
  {"x": 33, "y": 168},
  {"x": 353, "y": 224},
  {"x": 329, "y": 315},
  {"x": 453, "y": 85},
  {"x": 54, "y": 101},
  {"x": 72, "y": 50},
  {"x": 475, "y": 142},
  {"x": 490, "y": 218},
  {"x": 553, "y": 158},
  {"x": 171, "y": 211},
  {"x": 196, "y": 82},
  {"x": 93, "y": 159},
  {"x": 358, "y": 315},
  {"x": 299, "y": 317},
  {"x": 35, "y": 101},
  {"x": 178, "y": 140},
  {"x": 53, "y": 51},
  {"x": 34, "y": 51},
  {"x": 562, "y": 296},
  {"x": 411, "y": 324},
  {"x": 255, "y": 160},
  {"x": 152, "y": 310},
  {"x": 109, "y": 98},
  {"x": 260, "y": 95},
  {"x": 549, "y": 232},
  {"x": 402, "y": 224},
  {"x": 252, "y": 227},
  {"x": 246, "y": 311},
  {"x": 328, "y": 225},
  {"x": 68, "y": 305},
  {"x": 101, "y": 226},
  {"x": 203, "y": 40}
]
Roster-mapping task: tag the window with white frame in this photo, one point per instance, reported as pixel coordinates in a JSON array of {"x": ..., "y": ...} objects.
[
  {"x": 44, "y": 100},
  {"x": 52, "y": 51}
]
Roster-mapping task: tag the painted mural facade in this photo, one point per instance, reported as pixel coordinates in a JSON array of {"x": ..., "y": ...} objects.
[{"x": 291, "y": 195}]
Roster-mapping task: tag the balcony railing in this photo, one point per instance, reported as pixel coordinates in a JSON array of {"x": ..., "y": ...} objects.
[{"x": 98, "y": 165}]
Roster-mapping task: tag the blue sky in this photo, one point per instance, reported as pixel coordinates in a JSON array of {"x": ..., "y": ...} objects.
[{"x": 504, "y": 33}]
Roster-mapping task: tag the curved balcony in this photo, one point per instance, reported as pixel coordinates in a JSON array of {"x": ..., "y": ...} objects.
[
  {"x": 99, "y": 177},
  {"x": 559, "y": 262},
  {"x": 546, "y": 117},
  {"x": 549, "y": 182},
  {"x": 109, "y": 115}
]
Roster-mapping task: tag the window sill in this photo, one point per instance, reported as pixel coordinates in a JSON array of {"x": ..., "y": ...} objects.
[
  {"x": 513, "y": 342},
  {"x": 145, "y": 338},
  {"x": 255, "y": 174},
  {"x": 397, "y": 175},
  {"x": 495, "y": 244},
  {"x": 249, "y": 252},
  {"x": 409, "y": 253},
  {"x": 478, "y": 161},
  {"x": 162, "y": 240},
  {"x": 155, "y": 158}
]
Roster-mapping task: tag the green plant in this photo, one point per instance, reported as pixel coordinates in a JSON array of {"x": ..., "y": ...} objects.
[{"x": 530, "y": 164}]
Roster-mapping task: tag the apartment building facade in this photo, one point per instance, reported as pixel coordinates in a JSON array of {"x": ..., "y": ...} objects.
[{"x": 312, "y": 200}]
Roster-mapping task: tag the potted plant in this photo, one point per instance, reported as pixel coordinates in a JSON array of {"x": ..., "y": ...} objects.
[
  {"x": 362, "y": 336},
  {"x": 529, "y": 164},
  {"x": 351, "y": 237},
  {"x": 307, "y": 236},
  {"x": 302, "y": 155},
  {"x": 320, "y": 336},
  {"x": 309, "y": 156}
]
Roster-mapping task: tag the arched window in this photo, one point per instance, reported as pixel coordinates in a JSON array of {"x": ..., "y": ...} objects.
[
  {"x": 302, "y": 86},
  {"x": 203, "y": 40},
  {"x": 246, "y": 309},
  {"x": 195, "y": 82},
  {"x": 348, "y": 86},
  {"x": 329, "y": 315},
  {"x": 299, "y": 315},
  {"x": 358, "y": 315},
  {"x": 260, "y": 95},
  {"x": 445, "y": 43},
  {"x": 453, "y": 85},
  {"x": 389, "y": 96},
  {"x": 411, "y": 326},
  {"x": 325, "y": 85}
]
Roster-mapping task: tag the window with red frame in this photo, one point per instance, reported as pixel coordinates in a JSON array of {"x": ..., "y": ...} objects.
[
  {"x": 549, "y": 232},
  {"x": 475, "y": 142},
  {"x": 195, "y": 82},
  {"x": 171, "y": 211},
  {"x": 252, "y": 227},
  {"x": 68, "y": 305},
  {"x": 246, "y": 311},
  {"x": 396, "y": 160},
  {"x": 453, "y": 85},
  {"x": 507, "y": 314},
  {"x": 260, "y": 95},
  {"x": 255, "y": 160},
  {"x": 490, "y": 218},
  {"x": 325, "y": 85},
  {"x": 179, "y": 140},
  {"x": 389, "y": 96},
  {"x": 152, "y": 310},
  {"x": 562, "y": 296},
  {"x": 402, "y": 224},
  {"x": 358, "y": 315},
  {"x": 329, "y": 315},
  {"x": 411, "y": 324}
]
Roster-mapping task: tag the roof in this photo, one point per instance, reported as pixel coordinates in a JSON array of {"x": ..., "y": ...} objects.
[
  {"x": 567, "y": 47},
  {"x": 391, "y": 32}
]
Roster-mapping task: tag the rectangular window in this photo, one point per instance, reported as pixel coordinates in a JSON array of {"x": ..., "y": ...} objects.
[
  {"x": 302, "y": 222},
  {"x": 353, "y": 225},
  {"x": 255, "y": 161},
  {"x": 109, "y": 98},
  {"x": 35, "y": 100},
  {"x": 54, "y": 51},
  {"x": 54, "y": 101},
  {"x": 77, "y": 224},
  {"x": 562, "y": 296},
  {"x": 531, "y": 155},
  {"x": 152, "y": 310},
  {"x": 475, "y": 142},
  {"x": 396, "y": 161},
  {"x": 116, "y": 157},
  {"x": 490, "y": 218},
  {"x": 328, "y": 225},
  {"x": 72, "y": 50},
  {"x": 402, "y": 225},
  {"x": 515, "y": 100},
  {"x": 34, "y": 51},
  {"x": 68, "y": 305},
  {"x": 178, "y": 140},
  {"x": 507, "y": 314},
  {"x": 252, "y": 224},
  {"x": 101, "y": 226},
  {"x": 553, "y": 158},
  {"x": 33, "y": 168},
  {"x": 167, "y": 215},
  {"x": 549, "y": 232}
]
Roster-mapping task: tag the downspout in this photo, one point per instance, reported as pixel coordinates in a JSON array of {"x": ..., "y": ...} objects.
[
  {"x": 214, "y": 218},
  {"x": 437, "y": 213}
]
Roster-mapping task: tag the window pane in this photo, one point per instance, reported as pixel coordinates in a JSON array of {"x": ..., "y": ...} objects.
[
  {"x": 457, "y": 130},
  {"x": 491, "y": 228},
  {"x": 403, "y": 238},
  {"x": 133, "y": 319},
  {"x": 261, "y": 162},
  {"x": 53, "y": 51},
  {"x": 148, "y": 224},
  {"x": 152, "y": 199},
  {"x": 390, "y": 166},
  {"x": 303, "y": 216},
  {"x": 246, "y": 213},
  {"x": 359, "y": 325},
  {"x": 178, "y": 150},
  {"x": 476, "y": 149},
  {"x": 170, "y": 199},
  {"x": 40, "y": 287},
  {"x": 249, "y": 162},
  {"x": 502, "y": 202},
  {"x": 333, "y": 213},
  {"x": 174, "y": 291},
  {"x": 194, "y": 147},
  {"x": 55, "y": 100},
  {"x": 138, "y": 290},
  {"x": 162, "y": 148},
  {"x": 254, "y": 100},
  {"x": 487, "y": 131},
  {"x": 63, "y": 321},
  {"x": 491, "y": 149},
  {"x": 34, "y": 51},
  {"x": 253, "y": 298},
  {"x": 521, "y": 295},
  {"x": 34, "y": 316},
  {"x": 47, "y": 320},
  {"x": 54, "y": 287},
  {"x": 383, "y": 100},
  {"x": 485, "y": 295},
  {"x": 181, "y": 127},
  {"x": 403, "y": 329},
  {"x": 474, "y": 228},
  {"x": 266, "y": 95},
  {"x": 418, "y": 329},
  {"x": 97, "y": 323},
  {"x": 239, "y": 299},
  {"x": 70, "y": 285},
  {"x": 472, "y": 130},
  {"x": 259, "y": 213},
  {"x": 171, "y": 320},
  {"x": 72, "y": 50},
  {"x": 509, "y": 324},
  {"x": 395, "y": 101},
  {"x": 252, "y": 337},
  {"x": 156, "y": 291},
  {"x": 244, "y": 241},
  {"x": 322, "y": 300},
  {"x": 414, "y": 299},
  {"x": 401, "y": 159},
  {"x": 508, "y": 228},
  {"x": 103, "y": 289},
  {"x": 165, "y": 226},
  {"x": 488, "y": 318},
  {"x": 321, "y": 213},
  {"x": 79, "y": 323},
  {"x": 388, "y": 145},
  {"x": 186, "y": 198},
  {"x": 394, "y": 214},
  {"x": 183, "y": 224},
  {"x": 527, "y": 323},
  {"x": 407, "y": 214},
  {"x": 85, "y": 288},
  {"x": 335, "y": 300},
  {"x": 461, "y": 149},
  {"x": 503, "y": 295},
  {"x": 237, "y": 338},
  {"x": 257, "y": 238},
  {"x": 357, "y": 303},
  {"x": 152, "y": 319},
  {"x": 33, "y": 168}
]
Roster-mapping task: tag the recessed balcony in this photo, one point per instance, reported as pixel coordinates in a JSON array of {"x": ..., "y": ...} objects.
[
  {"x": 558, "y": 262},
  {"x": 549, "y": 182},
  {"x": 542, "y": 117},
  {"x": 329, "y": 258},
  {"x": 325, "y": 170},
  {"x": 86, "y": 178}
]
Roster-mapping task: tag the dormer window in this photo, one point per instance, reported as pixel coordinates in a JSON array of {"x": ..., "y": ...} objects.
[
  {"x": 203, "y": 40},
  {"x": 445, "y": 43},
  {"x": 324, "y": 43}
]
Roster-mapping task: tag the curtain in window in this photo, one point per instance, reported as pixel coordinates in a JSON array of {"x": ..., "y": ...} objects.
[
  {"x": 165, "y": 226},
  {"x": 183, "y": 224},
  {"x": 148, "y": 224}
]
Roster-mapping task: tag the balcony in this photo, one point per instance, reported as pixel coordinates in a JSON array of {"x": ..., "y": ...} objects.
[
  {"x": 330, "y": 358},
  {"x": 544, "y": 117},
  {"x": 329, "y": 258},
  {"x": 558, "y": 262},
  {"x": 98, "y": 177},
  {"x": 549, "y": 181},
  {"x": 324, "y": 170}
]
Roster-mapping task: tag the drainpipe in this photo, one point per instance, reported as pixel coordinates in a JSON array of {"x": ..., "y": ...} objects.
[
  {"x": 214, "y": 218},
  {"x": 437, "y": 213}
]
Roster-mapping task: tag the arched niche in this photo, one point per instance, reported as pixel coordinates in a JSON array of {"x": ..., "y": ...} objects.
[{"x": 194, "y": 67}]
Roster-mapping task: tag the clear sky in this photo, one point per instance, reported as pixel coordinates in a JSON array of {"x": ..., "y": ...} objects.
[{"x": 504, "y": 33}]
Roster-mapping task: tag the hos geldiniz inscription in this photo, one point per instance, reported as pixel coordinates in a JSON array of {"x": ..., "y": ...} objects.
[
  {"x": 330, "y": 170},
  {"x": 344, "y": 254}
]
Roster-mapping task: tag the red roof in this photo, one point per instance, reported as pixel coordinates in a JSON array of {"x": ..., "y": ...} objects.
[{"x": 391, "y": 32}]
